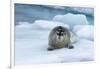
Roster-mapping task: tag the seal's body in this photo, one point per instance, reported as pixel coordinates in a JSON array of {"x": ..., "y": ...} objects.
[{"x": 59, "y": 38}]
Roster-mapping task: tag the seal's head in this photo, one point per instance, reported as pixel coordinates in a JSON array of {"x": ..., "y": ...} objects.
[{"x": 60, "y": 33}]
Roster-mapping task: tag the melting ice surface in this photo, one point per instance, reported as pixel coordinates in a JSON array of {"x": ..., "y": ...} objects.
[{"x": 31, "y": 42}]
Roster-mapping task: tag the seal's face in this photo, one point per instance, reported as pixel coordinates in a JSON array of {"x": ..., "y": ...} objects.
[{"x": 60, "y": 34}]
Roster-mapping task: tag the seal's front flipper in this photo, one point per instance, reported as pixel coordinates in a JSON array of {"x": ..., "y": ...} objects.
[
  {"x": 70, "y": 47},
  {"x": 50, "y": 48}
]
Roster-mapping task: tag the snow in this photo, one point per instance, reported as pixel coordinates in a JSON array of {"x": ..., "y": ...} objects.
[
  {"x": 45, "y": 24},
  {"x": 71, "y": 19},
  {"x": 31, "y": 43},
  {"x": 41, "y": 24},
  {"x": 38, "y": 54},
  {"x": 74, "y": 37},
  {"x": 85, "y": 31}
]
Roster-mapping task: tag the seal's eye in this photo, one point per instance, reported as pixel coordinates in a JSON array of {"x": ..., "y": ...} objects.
[
  {"x": 57, "y": 32},
  {"x": 62, "y": 33}
]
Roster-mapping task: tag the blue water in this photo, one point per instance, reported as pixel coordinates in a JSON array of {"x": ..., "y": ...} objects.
[{"x": 30, "y": 13}]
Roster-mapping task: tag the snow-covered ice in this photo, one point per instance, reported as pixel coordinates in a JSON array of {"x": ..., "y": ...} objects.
[
  {"x": 41, "y": 24},
  {"x": 72, "y": 19},
  {"x": 45, "y": 24},
  {"x": 31, "y": 43},
  {"x": 85, "y": 31}
]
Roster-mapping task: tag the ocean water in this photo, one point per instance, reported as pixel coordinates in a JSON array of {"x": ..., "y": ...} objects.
[{"x": 30, "y": 13}]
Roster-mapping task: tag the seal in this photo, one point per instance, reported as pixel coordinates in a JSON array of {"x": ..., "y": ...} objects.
[{"x": 59, "y": 37}]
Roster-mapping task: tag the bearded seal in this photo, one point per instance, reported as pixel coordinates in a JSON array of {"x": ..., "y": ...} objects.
[{"x": 59, "y": 37}]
